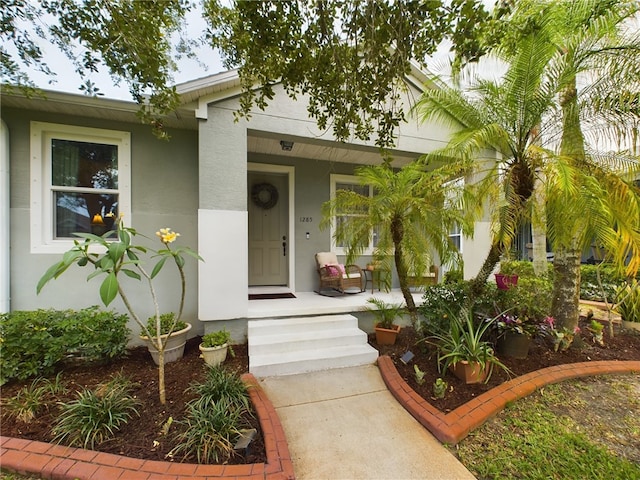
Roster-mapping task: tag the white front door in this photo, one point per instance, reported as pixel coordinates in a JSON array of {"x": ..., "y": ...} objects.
[{"x": 268, "y": 211}]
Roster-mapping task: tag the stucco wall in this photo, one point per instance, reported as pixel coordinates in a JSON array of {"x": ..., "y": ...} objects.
[{"x": 164, "y": 194}]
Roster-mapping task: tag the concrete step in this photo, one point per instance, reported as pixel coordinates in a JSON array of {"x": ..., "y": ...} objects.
[
  {"x": 291, "y": 342},
  {"x": 297, "y": 345},
  {"x": 271, "y": 365},
  {"x": 274, "y": 326}
]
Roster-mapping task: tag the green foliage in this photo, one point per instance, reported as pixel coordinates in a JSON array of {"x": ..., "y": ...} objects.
[
  {"x": 591, "y": 288},
  {"x": 32, "y": 399},
  {"x": 530, "y": 299},
  {"x": 517, "y": 267},
  {"x": 385, "y": 313},
  {"x": 628, "y": 298},
  {"x": 96, "y": 415},
  {"x": 544, "y": 436},
  {"x": 408, "y": 215},
  {"x": 218, "y": 384},
  {"x": 132, "y": 41},
  {"x": 440, "y": 301},
  {"x": 168, "y": 324},
  {"x": 214, "y": 418},
  {"x": 33, "y": 342},
  {"x": 440, "y": 388},
  {"x": 418, "y": 374},
  {"x": 349, "y": 57},
  {"x": 453, "y": 276},
  {"x": 217, "y": 339},
  {"x": 120, "y": 256},
  {"x": 464, "y": 342}
]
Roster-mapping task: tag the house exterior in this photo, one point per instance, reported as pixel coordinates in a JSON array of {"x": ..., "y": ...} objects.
[{"x": 246, "y": 194}]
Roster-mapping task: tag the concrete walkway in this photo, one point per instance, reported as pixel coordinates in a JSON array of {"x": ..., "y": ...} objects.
[{"x": 344, "y": 424}]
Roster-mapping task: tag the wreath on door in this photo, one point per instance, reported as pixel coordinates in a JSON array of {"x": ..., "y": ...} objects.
[{"x": 264, "y": 195}]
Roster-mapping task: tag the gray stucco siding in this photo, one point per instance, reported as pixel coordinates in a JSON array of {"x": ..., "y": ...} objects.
[{"x": 164, "y": 193}]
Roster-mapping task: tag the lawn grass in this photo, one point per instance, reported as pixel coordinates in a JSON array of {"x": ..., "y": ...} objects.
[{"x": 563, "y": 432}]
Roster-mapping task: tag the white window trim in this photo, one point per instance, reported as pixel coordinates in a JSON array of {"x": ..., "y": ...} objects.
[
  {"x": 335, "y": 179},
  {"x": 41, "y": 209}
]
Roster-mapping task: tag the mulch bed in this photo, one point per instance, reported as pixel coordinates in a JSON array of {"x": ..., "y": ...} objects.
[
  {"x": 624, "y": 346},
  {"x": 142, "y": 437}
]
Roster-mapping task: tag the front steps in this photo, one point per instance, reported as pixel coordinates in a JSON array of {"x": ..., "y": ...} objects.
[{"x": 287, "y": 346}]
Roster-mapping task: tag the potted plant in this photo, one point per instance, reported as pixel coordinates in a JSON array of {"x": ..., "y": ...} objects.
[
  {"x": 214, "y": 347},
  {"x": 507, "y": 277},
  {"x": 462, "y": 349},
  {"x": 628, "y": 306},
  {"x": 514, "y": 334},
  {"x": 385, "y": 314},
  {"x": 176, "y": 333}
]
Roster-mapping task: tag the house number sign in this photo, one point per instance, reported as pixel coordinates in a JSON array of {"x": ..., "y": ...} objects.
[{"x": 306, "y": 219}]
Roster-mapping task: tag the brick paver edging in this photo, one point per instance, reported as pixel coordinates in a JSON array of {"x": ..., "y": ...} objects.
[
  {"x": 65, "y": 463},
  {"x": 455, "y": 425}
]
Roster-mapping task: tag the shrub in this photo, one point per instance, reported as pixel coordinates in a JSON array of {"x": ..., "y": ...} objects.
[
  {"x": 214, "y": 418},
  {"x": 531, "y": 298},
  {"x": 590, "y": 288},
  {"x": 628, "y": 297},
  {"x": 32, "y": 399},
  {"x": 33, "y": 342},
  {"x": 439, "y": 303},
  {"x": 166, "y": 322},
  {"x": 96, "y": 414}
]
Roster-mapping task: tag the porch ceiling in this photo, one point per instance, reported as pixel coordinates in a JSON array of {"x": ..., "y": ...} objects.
[{"x": 314, "y": 149}]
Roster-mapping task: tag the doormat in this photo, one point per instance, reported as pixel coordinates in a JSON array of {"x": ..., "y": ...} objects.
[{"x": 270, "y": 296}]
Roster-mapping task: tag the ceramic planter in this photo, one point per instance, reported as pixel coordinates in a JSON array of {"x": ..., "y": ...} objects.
[
  {"x": 386, "y": 336},
  {"x": 469, "y": 372},
  {"x": 214, "y": 356},
  {"x": 505, "y": 282},
  {"x": 514, "y": 345},
  {"x": 173, "y": 350}
]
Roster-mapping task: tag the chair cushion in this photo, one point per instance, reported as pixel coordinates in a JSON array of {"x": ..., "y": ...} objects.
[{"x": 326, "y": 258}]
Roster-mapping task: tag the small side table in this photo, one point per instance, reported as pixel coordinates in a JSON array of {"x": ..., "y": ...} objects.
[{"x": 374, "y": 276}]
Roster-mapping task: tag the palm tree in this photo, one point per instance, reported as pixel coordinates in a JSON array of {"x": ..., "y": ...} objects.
[
  {"x": 412, "y": 213},
  {"x": 592, "y": 43},
  {"x": 503, "y": 116},
  {"x": 547, "y": 47}
]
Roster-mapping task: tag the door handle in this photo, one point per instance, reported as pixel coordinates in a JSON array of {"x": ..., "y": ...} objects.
[{"x": 284, "y": 246}]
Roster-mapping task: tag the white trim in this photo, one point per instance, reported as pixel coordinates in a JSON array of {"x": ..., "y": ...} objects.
[
  {"x": 290, "y": 172},
  {"x": 5, "y": 222},
  {"x": 41, "y": 208},
  {"x": 351, "y": 179}
]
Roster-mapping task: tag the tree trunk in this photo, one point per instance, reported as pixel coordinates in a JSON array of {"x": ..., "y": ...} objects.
[
  {"x": 397, "y": 234},
  {"x": 493, "y": 257},
  {"x": 161, "y": 389},
  {"x": 539, "y": 231},
  {"x": 566, "y": 288},
  {"x": 565, "y": 305}
]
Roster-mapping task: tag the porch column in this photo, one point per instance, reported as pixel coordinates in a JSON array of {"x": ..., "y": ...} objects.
[
  {"x": 5, "y": 214},
  {"x": 222, "y": 217}
]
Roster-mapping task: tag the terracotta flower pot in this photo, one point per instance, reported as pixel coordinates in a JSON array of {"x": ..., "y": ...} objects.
[
  {"x": 469, "y": 372},
  {"x": 386, "y": 336}
]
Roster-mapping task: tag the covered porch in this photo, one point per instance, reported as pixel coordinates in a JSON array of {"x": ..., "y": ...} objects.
[{"x": 311, "y": 303}]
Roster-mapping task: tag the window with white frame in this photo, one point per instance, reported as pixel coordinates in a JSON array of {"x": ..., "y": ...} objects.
[
  {"x": 351, "y": 183},
  {"x": 80, "y": 183},
  {"x": 452, "y": 190}
]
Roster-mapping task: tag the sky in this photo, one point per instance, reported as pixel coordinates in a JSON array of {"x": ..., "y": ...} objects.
[{"x": 67, "y": 80}]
